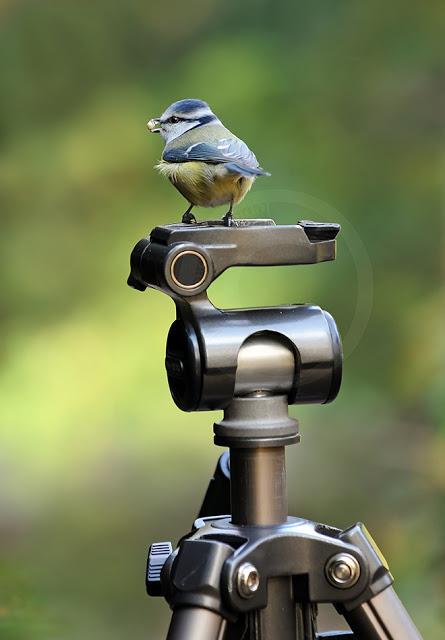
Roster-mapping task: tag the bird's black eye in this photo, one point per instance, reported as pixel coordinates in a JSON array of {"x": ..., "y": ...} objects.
[{"x": 174, "y": 120}]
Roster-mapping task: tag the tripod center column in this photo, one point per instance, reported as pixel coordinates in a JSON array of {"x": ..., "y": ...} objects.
[
  {"x": 258, "y": 491},
  {"x": 256, "y": 429}
]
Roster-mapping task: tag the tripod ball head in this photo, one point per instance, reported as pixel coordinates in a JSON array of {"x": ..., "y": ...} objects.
[{"x": 293, "y": 350}]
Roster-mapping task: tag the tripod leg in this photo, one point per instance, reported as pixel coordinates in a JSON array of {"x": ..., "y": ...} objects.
[
  {"x": 278, "y": 620},
  {"x": 194, "y": 623},
  {"x": 382, "y": 618},
  {"x": 217, "y": 497}
]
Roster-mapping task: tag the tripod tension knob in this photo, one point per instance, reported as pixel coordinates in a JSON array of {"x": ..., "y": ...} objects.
[{"x": 157, "y": 557}]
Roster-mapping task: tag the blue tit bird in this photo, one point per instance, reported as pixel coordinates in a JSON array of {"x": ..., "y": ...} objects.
[{"x": 206, "y": 162}]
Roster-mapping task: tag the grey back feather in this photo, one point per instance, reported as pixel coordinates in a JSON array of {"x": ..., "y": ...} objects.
[{"x": 226, "y": 149}]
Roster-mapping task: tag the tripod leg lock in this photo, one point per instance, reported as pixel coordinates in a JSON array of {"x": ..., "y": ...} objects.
[
  {"x": 192, "y": 576},
  {"x": 379, "y": 575}
]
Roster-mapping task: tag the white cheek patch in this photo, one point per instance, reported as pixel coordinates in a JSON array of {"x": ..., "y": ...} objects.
[{"x": 176, "y": 130}]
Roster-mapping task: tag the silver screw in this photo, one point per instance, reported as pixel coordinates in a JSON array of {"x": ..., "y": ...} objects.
[
  {"x": 342, "y": 570},
  {"x": 247, "y": 580}
]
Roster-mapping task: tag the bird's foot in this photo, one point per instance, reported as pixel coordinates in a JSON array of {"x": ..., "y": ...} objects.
[
  {"x": 188, "y": 217},
  {"x": 228, "y": 219}
]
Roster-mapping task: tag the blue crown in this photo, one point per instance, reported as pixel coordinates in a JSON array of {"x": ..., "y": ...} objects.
[{"x": 188, "y": 105}]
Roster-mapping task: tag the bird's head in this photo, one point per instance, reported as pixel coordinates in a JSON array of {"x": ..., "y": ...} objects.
[{"x": 180, "y": 117}]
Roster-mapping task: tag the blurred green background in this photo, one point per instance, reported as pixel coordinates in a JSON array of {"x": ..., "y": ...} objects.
[{"x": 343, "y": 102}]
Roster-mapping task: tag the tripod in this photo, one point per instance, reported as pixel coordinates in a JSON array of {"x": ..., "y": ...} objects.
[{"x": 256, "y": 574}]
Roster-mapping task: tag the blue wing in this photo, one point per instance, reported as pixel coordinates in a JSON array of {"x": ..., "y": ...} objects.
[{"x": 232, "y": 152}]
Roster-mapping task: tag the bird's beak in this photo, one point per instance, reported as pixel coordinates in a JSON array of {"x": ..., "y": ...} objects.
[{"x": 153, "y": 125}]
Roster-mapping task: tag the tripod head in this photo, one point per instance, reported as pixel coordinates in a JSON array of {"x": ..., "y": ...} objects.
[{"x": 215, "y": 355}]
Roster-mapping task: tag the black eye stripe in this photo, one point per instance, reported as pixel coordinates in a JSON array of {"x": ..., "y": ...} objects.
[
  {"x": 176, "y": 119},
  {"x": 179, "y": 119}
]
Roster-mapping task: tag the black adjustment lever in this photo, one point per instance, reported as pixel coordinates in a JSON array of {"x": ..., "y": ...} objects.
[{"x": 157, "y": 557}]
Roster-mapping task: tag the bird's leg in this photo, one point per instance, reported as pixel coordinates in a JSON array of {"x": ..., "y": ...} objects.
[
  {"x": 188, "y": 216},
  {"x": 228, "y": 218}
]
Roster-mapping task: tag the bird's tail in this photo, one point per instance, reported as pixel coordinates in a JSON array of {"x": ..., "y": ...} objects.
[{"x": 248, "y": 172}]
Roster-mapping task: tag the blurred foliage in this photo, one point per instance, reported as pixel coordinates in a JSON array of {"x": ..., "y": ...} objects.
[{"x": 343, "y": 102}]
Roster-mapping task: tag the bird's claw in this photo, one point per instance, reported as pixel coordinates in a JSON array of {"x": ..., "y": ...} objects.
[
  {"x": 188, "y": 218},
  {"x": 228, "y": 219}
]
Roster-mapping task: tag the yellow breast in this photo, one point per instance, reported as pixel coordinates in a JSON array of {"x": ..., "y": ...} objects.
[{"x": 204, "y": 184}]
